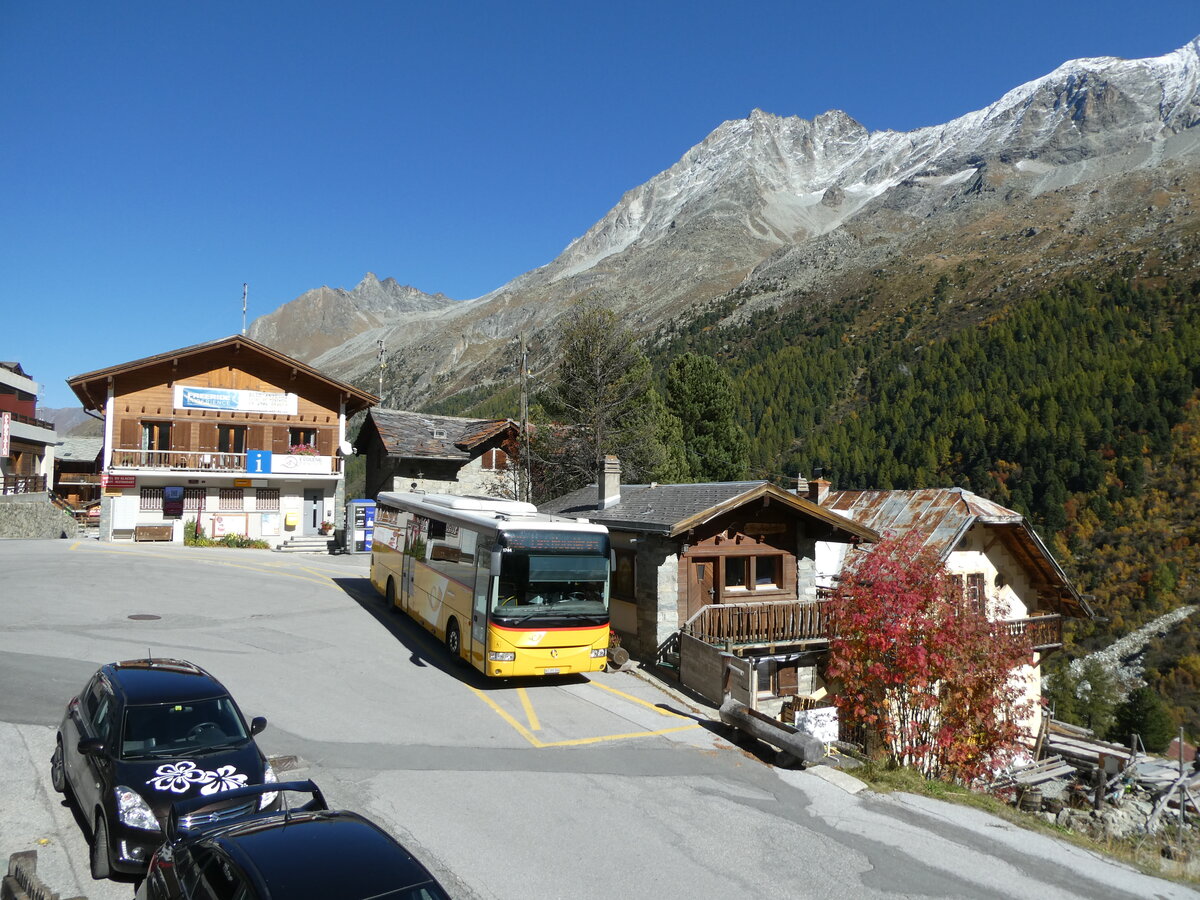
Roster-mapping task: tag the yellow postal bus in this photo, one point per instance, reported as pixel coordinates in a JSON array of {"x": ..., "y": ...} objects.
[{"x": 511, "y": 590}]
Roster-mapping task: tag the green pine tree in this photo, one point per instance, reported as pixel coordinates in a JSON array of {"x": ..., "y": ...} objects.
[
  {"x": 1144, "y": 713},
  {"x": 700, "y": 394}
]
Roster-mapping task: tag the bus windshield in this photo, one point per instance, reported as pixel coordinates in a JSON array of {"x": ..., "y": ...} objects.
[{"x": 552, "y": 585}]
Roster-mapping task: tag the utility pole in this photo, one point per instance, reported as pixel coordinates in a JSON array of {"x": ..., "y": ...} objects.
[
  {"x": 381, "y": 358},
  {"x": 245, "y": 290},
  {"x": 523, "y": 471}
]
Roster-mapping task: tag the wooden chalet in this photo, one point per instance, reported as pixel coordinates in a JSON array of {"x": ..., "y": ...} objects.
[{"x": 231, "y": 433}]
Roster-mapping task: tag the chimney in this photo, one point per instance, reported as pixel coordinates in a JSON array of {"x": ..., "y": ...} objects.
[
  {"x": 609, "y": 483},
  {"x": 818, "y": 490}
]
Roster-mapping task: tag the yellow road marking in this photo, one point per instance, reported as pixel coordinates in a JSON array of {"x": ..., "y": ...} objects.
[
  {"x": 540, "y": 744},
  {"x": 633, "y": 699},
  {"x": 534, "y": 724}
]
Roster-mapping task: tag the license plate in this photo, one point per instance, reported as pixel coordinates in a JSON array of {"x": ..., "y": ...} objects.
[{"x": 549, "y": 671}]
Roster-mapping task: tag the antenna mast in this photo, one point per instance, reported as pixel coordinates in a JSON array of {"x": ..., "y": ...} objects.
[
  {"x": 523, "y": 473},
  {"x": 381, "y": 356},
  {"x": 244, "y": 292}
]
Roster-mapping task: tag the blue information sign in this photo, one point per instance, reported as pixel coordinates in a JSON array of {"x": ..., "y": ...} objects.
[{"x": 258, "y": 462}]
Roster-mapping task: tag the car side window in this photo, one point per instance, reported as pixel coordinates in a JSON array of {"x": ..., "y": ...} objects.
[{"x": 102, "y": 720}]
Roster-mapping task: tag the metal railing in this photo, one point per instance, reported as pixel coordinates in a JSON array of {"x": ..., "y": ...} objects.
[
  {"x": 209, "y": 461},
  {"x": 31, "y": 420},
  {"x": 22, "y": 484}
]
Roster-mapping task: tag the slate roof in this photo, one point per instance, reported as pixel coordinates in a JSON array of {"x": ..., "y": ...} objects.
[
  {"x": 411, "y": 435},
  {"x": 79, "y": 449},
  {"x": 671, "y": 509},
  {"x": 942, "y": 516}
]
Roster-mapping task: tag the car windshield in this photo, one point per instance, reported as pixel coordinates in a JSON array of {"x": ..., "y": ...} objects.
[
  {"x": 535, "y": 586},
  {"x": 168, "y": 729}
]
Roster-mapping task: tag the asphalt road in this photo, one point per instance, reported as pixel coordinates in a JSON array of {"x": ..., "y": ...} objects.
[{"x": 598, "y": 787}]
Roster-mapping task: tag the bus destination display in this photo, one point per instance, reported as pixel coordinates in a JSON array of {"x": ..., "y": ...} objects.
[{"x": 572, "y": 541}]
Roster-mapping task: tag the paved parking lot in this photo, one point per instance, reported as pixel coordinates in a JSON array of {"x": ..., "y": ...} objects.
[{"x": 589, "y": 787}]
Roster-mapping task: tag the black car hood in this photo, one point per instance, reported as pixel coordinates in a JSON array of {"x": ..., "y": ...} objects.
[{"x": 165, "y": 780}]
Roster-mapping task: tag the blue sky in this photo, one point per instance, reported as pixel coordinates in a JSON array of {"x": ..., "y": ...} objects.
[{"x": 156, "y": 156}]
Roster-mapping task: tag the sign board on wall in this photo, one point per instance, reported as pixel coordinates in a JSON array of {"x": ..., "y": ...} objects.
[
  {"x": 114, "y": 484},
  {"x": 298, "y": 464},
  {"x": 232, "y": 400},
  {"x": 258, "y": 462},
  {"x": 172, "y": 501},
  {"x": 5, "y": 434}
]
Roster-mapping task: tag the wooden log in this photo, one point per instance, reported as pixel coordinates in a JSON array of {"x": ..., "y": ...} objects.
[{"x": 800, "y": 745}]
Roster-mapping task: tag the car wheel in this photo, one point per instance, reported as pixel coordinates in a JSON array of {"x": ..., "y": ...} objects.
[
  {"x": 454, "y": 639},
  {"x": 58, "y": 777},
  {"x": 389, "y": 595},
  {"x": 101, "y": 862}
]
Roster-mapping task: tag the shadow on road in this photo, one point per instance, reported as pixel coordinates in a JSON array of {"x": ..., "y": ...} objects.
[{"x": 425, "y": 650}]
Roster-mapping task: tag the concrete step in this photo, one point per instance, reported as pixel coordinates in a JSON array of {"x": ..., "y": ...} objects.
[{"x": 306, "y": 544}]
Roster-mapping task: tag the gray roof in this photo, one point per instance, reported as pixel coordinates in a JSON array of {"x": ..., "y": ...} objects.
[
  {"x": 673, "y": 508},
  {"x": 413, "y": 435},
  {"x": 79, "y": 449}
]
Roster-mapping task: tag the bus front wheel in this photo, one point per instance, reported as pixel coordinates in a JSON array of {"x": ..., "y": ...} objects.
[{"x": 454, "y": 639}]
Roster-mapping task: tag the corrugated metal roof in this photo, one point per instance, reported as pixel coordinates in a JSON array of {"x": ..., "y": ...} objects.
[
  {"x": 942, "y": 517},
  {"x": 412, "y": 435}
]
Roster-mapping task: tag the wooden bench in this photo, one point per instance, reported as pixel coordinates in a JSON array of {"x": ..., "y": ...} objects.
[{"x": 154, "y": 533}]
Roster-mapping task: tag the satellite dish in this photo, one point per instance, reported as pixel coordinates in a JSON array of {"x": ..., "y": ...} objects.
[{"x": 346, "y": 448}]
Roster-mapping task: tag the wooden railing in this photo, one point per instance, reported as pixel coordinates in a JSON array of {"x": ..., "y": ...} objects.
[
  {"x": 1044, "y": 632},
  {"x": 209, "y": 461},
  {"x": 760, "y": 623},
  {"x": 22, "y": 484},
  {"x": 788, "y": 621}
]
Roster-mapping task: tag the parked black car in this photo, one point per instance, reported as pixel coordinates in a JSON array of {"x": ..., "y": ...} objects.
[
  {"x": 142, "y": 734},
  {"x": 305, "y": 852}
]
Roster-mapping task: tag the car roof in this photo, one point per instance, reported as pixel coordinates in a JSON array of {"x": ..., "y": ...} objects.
[
  {"x": 328, "y": 853},
  {"x": 161, "y": 681}
]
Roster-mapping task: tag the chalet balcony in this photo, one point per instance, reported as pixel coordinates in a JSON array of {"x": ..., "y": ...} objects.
[
  {"x": 213, "y": 463},
  {"x": 22, "y": 484},
  {"x": 776, "y": 623}
]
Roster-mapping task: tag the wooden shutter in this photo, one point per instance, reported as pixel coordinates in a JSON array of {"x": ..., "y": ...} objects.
[
  {"x": 131, "y": 434},
  {"x": 325, "y": 441},
  {"x": 256, "y": 438},
  {"x": 279, "y": 439},
  {"x": 208, "y": 436},
  {"x": 181, "y": 436}
]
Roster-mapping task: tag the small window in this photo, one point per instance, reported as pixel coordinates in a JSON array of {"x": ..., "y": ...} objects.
[
  {"x": 302, "y": 440},
  {"x": 267, "y": 499},
  {"x": 623, "y": 581},
  {"x": 193, "y": 499},
  {"x": 156, "y": 435},
  {"x": 768, "y": 571},
  {"x": 494, "y": 459},
  {"x": 976, "y": 596},
  {"x": 735, "y": 571},
  {"x": 152, "y": 499},
  {"x": 231, "y": 499}
]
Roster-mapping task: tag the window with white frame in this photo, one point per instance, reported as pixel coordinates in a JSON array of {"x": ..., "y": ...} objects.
[
  {"x": 230, "y": 499},
  {"x": 267, "y": 499}
]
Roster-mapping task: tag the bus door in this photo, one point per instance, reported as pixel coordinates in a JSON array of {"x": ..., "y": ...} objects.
[
  {"x": 479, "y": 612},
  {"x": 413, "y": 531}
]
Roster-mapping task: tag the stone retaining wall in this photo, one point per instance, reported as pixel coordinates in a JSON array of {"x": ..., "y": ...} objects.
[{"x": 34, "y": 517}]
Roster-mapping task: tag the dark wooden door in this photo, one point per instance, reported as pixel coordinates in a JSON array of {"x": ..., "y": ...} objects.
[{"x": 701, "y": 582}]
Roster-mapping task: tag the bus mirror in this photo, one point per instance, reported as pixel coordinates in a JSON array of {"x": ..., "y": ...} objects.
[
  {"x": 612, "y": 560},
  {"x": 496, "y": 562}
]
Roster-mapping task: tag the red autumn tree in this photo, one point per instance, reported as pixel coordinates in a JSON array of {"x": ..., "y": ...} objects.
[{"x": 923, "y": 668}]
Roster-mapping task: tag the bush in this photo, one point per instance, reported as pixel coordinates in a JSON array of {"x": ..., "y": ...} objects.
[{"x": 194, "y": 536}]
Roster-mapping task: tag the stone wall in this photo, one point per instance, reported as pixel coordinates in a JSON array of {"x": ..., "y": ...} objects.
[{"x": 34, "y": 517}]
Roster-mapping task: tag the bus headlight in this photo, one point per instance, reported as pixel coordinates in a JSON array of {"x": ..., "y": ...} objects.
[
  {"x": 597, "y": 652},
  {"x": 501, "y": 656}
]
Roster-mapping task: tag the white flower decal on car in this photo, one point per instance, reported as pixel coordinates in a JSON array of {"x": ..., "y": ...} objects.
[
  {"x": 225, "y": 778},
  {"x": 180, "y": 776}
]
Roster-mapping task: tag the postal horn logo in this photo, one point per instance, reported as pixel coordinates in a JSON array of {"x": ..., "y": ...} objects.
[{"x": 554, "y": 654}]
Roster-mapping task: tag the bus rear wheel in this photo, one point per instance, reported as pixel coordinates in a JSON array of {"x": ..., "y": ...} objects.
[{"x": 454, "y": 639}]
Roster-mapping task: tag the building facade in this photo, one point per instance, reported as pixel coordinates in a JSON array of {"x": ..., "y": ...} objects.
[
  {"x": 229, "y": 434},
  {"x": 26, "y": 442},
  {"x": 409, "y": 451}
]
